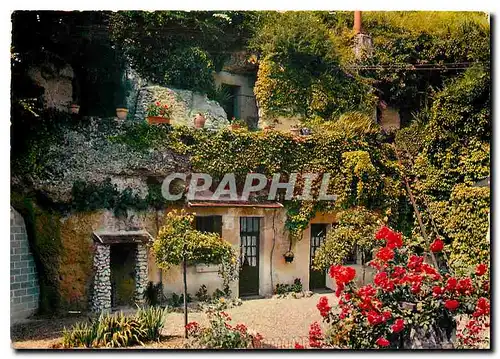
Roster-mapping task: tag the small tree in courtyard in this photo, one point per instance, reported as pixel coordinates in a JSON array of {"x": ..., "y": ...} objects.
[{"x": 178, "y": 243}]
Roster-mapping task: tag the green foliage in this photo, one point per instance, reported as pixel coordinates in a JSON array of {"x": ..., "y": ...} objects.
[
  {"x": 282, "y": 288},
  {"x": 117, "y": 330},
  {"x": 180, "y": 48},
  {"x": 220, "y": 334},
  {"x": 355, "y": 231},
  {"x": 154, "y": 294},
  {"x": 464, "y": 219},
  {"x": 202, "y": 294},
  {"x": 299, "y": 71},
  {"x": 420, "y": 38},
  {"x": 93, "y": 196},
  {"x": 178, "y": 241},
  {"x": 177, "y": 300},
  {"x": 153, "y": 320},
  {"x": 451, "y": 152}
]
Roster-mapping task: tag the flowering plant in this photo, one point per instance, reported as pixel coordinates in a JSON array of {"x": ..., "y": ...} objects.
[
  {"x": 408, "y": 297},
  {"x": 158, "y": 109},
  {"x": 222, "y": 335}
]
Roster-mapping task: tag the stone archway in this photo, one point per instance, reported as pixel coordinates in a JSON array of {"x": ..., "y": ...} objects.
[{"x": 101, "y": 298}]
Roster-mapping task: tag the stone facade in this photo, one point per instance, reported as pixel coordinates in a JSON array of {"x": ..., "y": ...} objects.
[
  {"x": 184, "y": 104},
  {"x": 57, "y": 85},
  {"x": 24, "y": 288},
  {"x": 141, "y": 273},
  {"x": 101, "y": 298}
]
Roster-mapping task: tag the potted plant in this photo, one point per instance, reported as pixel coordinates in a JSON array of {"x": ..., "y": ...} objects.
[
  {"x": 199, "y": 120},
  {"x": 158, "y": 113},
  {"x": 288, "y": 256},
  {"x": 295, "y": 130},
  {"x": 74, "y": 108},
  {"x": 236, "y": 124},
  {"x": 121, "y": 112}
]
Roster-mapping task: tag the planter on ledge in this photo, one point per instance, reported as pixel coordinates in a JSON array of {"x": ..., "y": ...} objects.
[
  {"x": 74, "y": 108},
  {"x": 288, "y": 257},
  {"x": 121, "y": 113},
  {"x": 153, "y": 120}
]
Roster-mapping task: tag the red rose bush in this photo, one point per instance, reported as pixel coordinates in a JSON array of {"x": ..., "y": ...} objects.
[{"x": 408, "y": 297}]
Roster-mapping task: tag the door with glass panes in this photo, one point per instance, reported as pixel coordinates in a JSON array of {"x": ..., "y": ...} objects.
[
  {"x": 249, "y": 256},
  {"x": 317, "y": 279}
]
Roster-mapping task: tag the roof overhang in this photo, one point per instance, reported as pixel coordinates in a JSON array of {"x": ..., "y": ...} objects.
[
  {"x": 122, "y": 237},
  {"x": 235, "y": 204}
]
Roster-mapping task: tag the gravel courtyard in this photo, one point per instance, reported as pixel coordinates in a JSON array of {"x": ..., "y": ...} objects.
[{"x": 278, "y": 320}]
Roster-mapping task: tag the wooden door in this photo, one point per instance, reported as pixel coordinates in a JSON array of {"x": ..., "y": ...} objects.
[
  {"x": 317, "y": 279},
  {"x": 249, "y": 256}
]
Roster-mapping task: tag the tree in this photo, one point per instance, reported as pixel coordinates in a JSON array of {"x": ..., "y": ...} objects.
[
  {"x": 300, "y": 69},
  {"x": 180, "y": 48},
  {"x": 179, "y": 243},
  {"x": 354, "y": 232}
]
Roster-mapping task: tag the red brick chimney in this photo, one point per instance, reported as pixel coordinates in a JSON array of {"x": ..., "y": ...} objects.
[{"x": 357, "y": 22}]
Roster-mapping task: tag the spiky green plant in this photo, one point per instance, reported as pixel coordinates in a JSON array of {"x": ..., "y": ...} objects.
[{"x": 152, "y": 320}]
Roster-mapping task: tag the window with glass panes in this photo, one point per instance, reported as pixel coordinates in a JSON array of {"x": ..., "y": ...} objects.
[{"x": 211, "y": 224}]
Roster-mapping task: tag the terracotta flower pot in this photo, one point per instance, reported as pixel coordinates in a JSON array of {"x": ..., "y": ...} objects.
[
  {"x": 74, "y": 108},
  {"x": 234, "y": 126},
  {"x": 199, "y": 121},
  {"x": 152, "y": 120},
  {"x": 121, "y": 113}
]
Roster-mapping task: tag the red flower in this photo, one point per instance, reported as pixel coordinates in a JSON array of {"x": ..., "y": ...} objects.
[
  {"x": 398, "y": 271},
  {"x": 464, "y": 286},
  {"x": 481, "y": 269},
  {"x": 382, "y": 342},
  {"x": 394, "y": 240},
  {"x": 398, "y": 325},
  {"x": 415, "y": 288},
  {"x": 375, "y": 318},
  {"x": 241, "y": 328},
  {"x": 437, "y": 245},
  {"x": 323, "y": 306},
  {"x": 451, "y": 304},
  {"x": 451, "y": 284},
  {"x": 383, "y": 232},
  {"x": 298, "y": 346},
  {"x": 386, "y": 315},
  {"x": 385, "y": 254},
  {"x": 315, "y": 335},
  {"x": 415, "y": 262},
  {"x": 341, "y": 274},
  {"x": 437, "y": 290},
  {"x": 192, "y": 327},
  {"x": 482, "y": 307}
]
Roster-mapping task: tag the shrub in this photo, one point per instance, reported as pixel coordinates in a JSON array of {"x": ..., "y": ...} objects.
[
  {"x": 221, "y": 335},
  {"x": 117, "y": 330},
  {"x": 177, "y": 300},
  {"x": 154, "y": 294},
  {"x": 202, "y": 294},
  {"x": 296, "y": 287},
  {"x": 407, "y": 295},
  {"x": 153, "y": 319}
]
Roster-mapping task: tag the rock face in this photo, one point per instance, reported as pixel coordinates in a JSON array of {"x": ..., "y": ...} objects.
[
  {"x": 435, "y": 338},
  {"x": 57, "y": 85},
  {"x": 184, "y": 104},
  {"x": 89, "y": 154}
]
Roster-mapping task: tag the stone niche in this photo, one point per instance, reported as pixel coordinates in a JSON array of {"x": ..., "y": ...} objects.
[{"x": 104, "y": 242}]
